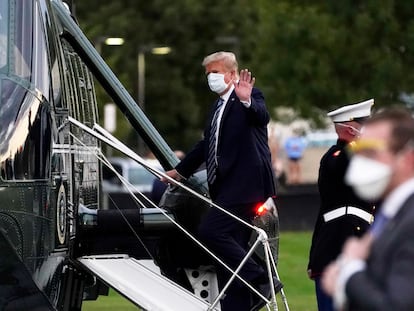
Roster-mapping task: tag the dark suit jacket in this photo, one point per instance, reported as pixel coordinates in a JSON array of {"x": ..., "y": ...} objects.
[
  {"x": 387, "y": 283},
  {"x": 244, "y": 173},
  {"x": 329, "y": 237}
]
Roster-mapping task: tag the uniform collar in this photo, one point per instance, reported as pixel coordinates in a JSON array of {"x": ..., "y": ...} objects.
[{"x": 341, "y": 142}]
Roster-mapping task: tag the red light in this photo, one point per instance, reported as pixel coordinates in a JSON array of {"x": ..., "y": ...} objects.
[{"x": 260, "y": 209}]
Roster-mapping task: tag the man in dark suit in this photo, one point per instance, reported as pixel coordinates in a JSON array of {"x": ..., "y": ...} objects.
[
  {"x": 239, "y": 172},
  {"x": 342, "y": 214},
  {"x": 376, "y": 272}
]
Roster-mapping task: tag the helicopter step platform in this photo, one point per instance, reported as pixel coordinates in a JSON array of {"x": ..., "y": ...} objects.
[{"x": 125, "y": 274}]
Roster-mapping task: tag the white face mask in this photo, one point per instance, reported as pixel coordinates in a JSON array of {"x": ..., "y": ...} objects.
[
  {"x": 216, "y": 82},
  {"x": 368, "y": 178}
]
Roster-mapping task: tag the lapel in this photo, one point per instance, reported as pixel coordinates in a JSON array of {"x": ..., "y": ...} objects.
[
  {"x": 391, "y": 229},
  {"x": 230, "y": 102}
]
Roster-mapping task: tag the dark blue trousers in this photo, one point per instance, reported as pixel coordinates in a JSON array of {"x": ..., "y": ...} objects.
[
  {"x": 228, "y": 239},
  {"x": 325, "y": 302}
]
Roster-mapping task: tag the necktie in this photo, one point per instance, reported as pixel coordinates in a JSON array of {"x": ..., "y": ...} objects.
[
  {"x": 379, "y": 223},
  {"x": 211, "y": 159}
]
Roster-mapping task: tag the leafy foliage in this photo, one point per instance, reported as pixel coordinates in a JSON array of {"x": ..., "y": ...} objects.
[{"x": 312, "y": 56}]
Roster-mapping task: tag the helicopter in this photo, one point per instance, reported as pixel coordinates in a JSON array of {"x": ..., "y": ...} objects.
[{"x": 58, "y": 246}]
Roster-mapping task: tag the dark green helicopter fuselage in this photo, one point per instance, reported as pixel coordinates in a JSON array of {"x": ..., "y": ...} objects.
[{"x": 44, "y": 172}]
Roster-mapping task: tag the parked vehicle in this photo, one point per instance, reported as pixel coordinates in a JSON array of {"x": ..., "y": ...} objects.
[{"x": 115, "y": 193}]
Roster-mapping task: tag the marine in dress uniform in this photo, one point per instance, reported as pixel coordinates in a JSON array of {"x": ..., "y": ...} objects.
[{"x": 342, "y": 214}]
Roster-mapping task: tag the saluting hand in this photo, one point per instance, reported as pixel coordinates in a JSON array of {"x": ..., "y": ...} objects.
[{"x": 244, "y": 87}]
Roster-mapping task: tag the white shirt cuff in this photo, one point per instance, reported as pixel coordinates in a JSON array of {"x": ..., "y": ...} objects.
[
  {"x": 246, "y": 104},
  {"x": 347, "y": 269}
]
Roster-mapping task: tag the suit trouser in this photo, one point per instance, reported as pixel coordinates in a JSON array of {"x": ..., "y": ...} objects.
[
  {"x": 228, "y": 239},
  {"x": 325, "y": 302}
]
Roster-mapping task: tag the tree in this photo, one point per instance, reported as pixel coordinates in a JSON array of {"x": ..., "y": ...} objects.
[
  {"x": 312, "y": 56},
  {"x": 177, "y": 96},
  {"x": 324, "y": 54}
]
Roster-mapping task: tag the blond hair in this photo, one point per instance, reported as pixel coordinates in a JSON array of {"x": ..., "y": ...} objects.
[{"x": 228, "y": 58}]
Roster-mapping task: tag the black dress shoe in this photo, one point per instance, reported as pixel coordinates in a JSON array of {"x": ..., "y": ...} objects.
[{"x": 264, "y": 289}]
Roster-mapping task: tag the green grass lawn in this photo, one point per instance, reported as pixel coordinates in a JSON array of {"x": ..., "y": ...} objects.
[{"x": 293, "y": 259}]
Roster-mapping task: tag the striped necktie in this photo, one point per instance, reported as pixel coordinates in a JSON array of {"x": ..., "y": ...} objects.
[{"x": 211, "y": 159}]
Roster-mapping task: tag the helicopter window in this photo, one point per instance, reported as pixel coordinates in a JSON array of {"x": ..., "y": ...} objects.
[
  {"x": 28, "y": 143},
  {"x": 3, "y": 33},
  {"x": 15, "y": 37},
  {"x": 25, "y": 125},
  {"x": 21, "y": 38},
  {"x": 40, "y": 65},
  {"x": 23, "y": 49}
]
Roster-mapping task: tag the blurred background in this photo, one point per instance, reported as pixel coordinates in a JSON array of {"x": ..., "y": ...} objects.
[{"x": 308, "y": 57}]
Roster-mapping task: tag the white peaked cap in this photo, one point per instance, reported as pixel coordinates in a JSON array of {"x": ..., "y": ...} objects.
[{"x": 352, "y": 112}]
